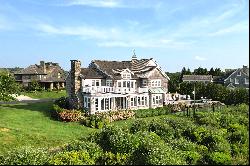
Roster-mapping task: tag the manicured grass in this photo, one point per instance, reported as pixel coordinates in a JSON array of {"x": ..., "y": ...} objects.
[
  {"x": 45, "y": 94},
  {"x": 31, "y": 124}
]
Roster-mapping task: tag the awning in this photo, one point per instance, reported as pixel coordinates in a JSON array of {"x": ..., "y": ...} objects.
[{"x": 156, "y": 90}]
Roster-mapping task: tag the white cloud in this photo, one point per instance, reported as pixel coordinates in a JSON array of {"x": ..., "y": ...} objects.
[
  {"x": 236, "y": 28},
  {"x": 85, "y": 32},
  {"x": 96, "y": 3},
  {"x": 199, "y": 58}
]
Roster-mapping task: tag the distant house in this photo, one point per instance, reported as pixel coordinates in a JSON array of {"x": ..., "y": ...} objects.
[
  {"x": 197, "y": 78},
  {"x": 238, "y": 78},
  {"x": 49, "y": 75}
]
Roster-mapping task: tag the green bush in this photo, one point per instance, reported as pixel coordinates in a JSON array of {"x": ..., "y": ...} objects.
[
  {"x": 62, "y": 102},
  {"x": 25, "y": 156},
  {"x": 72, "y": 158},
  {"x": 153, "y": 151},
  {"x": 65, "y": 115},
  {"x": 139, "y": 125},
  {"x": 109, "y": 158},
  {"x": 219, "y": 158},
  {"x": 94, "y": 150}
]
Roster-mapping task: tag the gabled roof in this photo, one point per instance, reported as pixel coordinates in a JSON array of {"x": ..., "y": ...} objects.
[
  {"x": 32, "y": 69},
  {"x": 90, "y": 73},
  {"x": 51, "y": 72},
  {"x": 138, "y": 67},
  {"x": 244, "y": 70},
  {"x": 197, "y": 77}
]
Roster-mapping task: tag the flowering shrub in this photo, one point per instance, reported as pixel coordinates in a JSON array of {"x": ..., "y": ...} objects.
[
  {"x": 101, "y": 119},
  {"x": 65, "y": 115}
]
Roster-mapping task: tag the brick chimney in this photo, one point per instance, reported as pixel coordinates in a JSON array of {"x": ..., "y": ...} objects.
[
  {"x": 43, "y": 66},
  {"x": 75, "y": 83}
]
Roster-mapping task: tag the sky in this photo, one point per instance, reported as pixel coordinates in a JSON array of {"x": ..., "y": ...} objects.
[{"x": 176, "y": 33}]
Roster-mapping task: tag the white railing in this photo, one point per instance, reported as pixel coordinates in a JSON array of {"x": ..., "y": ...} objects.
[
  {"x": 98, "y": 89},
  {"x": 142, "y": 90},
  {"x": 108, "y": 89}
]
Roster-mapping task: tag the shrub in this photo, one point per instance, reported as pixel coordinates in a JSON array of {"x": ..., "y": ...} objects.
[
  {"x": 70, "y": 115},
  {"x": 102, "y": 119},
  {"x": 62, "y": 102},
  {"x": 153, "y": 151},
  {"x": 109, "y": 158},
  {"x": 65, "y": 115},
  {"x": 94, "y": 150},
  {"x": 219, "y": 158},
  {"x": 25, "y": 156},
  {"x": 165, "y": 131},
  {"x": 139, "y": 125},
  {"x": 72, "y": 158}
]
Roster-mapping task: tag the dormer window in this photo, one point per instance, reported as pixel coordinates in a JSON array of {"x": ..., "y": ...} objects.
[
  {"x": 238, "y": 73},
  {"x": 126, "y": 75}
]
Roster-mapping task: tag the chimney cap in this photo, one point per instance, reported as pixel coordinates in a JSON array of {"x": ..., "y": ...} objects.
[{"x": 134, "y": 56}]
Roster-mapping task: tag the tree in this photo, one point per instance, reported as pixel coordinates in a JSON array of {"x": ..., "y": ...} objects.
[
  {"x": 173, "y": 84},
  {"x": 200, "y": 71},
  {"x": 8, "y": 86},
  {"x": 34, "y": 86},
  {"x": 211, "y": 72},
  {"x": 218, "y": 72}
]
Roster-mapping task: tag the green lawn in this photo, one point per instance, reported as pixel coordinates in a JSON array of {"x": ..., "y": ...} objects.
[
  {"x": 45, "y": 94},
  {"x": 31, "y": 124}
]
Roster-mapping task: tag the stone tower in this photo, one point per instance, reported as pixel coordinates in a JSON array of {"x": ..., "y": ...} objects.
[{"x": 75, "y": 84}]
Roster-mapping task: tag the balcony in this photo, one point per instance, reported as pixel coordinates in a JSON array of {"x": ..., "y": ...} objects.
[{"x": 108, "y": 89}]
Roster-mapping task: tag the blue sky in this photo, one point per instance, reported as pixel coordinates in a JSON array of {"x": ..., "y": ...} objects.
[{"x": 176, "y": 33}]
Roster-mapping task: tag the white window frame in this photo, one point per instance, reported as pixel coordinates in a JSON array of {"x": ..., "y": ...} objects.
[
  {"x": 144, "y": 82},
  {"x": 246, "y": 81},
  {"x": 231, "y": 80},
  {"x": 236, "y": 81},
  {"x": 157, "y": 99},
  {"x": 155, "y": 83},
  {"x": 94, "y": 83},
  {"x": 109, "y": 82}
]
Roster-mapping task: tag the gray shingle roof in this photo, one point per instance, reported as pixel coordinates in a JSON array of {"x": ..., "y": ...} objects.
[
  {"x": 138, "y": 67},
  {"x": 197, "y": 77},
  {"x": 90, "y": 73},
  {"x": 51, "y": 72}
]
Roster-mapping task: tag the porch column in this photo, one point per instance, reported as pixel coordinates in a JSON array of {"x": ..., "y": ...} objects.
[
  {"x": 51, "y": 85},
  {"x": 57, "y": 85},
  {"x": 92, "y": 105},
  {"x": 62, "y": 84}
]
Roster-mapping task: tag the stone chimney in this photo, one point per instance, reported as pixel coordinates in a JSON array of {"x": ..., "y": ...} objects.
[
  {"x": 75, "y": 83},
  {"x": 43, "y": 66}
]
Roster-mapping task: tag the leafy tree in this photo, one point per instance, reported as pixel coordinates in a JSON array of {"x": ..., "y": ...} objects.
[
  {"x": 8, "y": 86},
  {"x": 211, "y": 72},
  {"x": 173, "y": 84},
  {"x": 34, "y": 86},
  {"x": 200, "y": 71},
  {"x": 218, "y": 72}
]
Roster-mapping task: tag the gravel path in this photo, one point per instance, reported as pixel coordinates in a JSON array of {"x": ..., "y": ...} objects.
[{"x": 25, "y": 99}]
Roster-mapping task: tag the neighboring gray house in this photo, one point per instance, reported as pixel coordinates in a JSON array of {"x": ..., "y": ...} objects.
[
  {"x": 117, "y": 85},
  {"x": 197, "y": 78},
  {"x": 238, "y": 78},
  {"x": 49, "y": 75}
]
